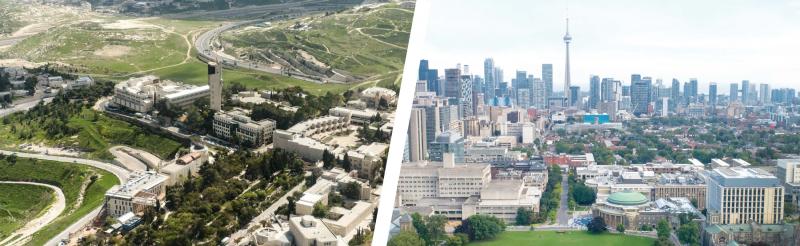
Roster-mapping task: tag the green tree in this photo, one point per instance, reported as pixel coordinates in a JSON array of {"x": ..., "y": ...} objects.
[
  {"x": 597, "y": 225},
  {"x": 583, "y": 195},
  {"x": 481, "y": 227},
  {"x": 662, "y": 228},
  {"x": 524, "y": 216},
  {"x": 406, "y": 238},
  {"x": 620, "y": 228},
  {"x": 320, "y": 210},
  {"x": 689, "y": 233}
]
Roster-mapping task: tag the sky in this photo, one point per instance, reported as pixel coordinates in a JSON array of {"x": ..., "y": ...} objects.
[{"x": 713, "y": 41}]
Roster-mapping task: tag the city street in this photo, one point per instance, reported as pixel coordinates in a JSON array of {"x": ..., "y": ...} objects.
[{"x": 563, "y": 209}]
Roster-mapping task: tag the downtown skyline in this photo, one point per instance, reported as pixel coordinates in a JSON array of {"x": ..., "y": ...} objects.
[{"x": 662, "y": 47}]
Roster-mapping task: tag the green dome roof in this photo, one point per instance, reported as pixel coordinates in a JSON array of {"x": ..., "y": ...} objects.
[{"x": 627, "y": 198}]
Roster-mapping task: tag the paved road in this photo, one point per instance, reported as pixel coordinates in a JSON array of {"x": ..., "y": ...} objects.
[
  {"x": 206, "y": 51},
  {"x": 21, "y": 235},
  {"x": 121, "y": 174},
  {"x": 22, "y": 107},
  {"x": 563, "y": 215},
  {"x": 263, "y": 216}
]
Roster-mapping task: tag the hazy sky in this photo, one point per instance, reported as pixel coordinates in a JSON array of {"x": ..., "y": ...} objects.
[{"x": 714, "y": 41}]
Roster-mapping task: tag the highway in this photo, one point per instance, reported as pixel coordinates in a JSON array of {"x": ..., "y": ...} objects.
[{"x": 206, "y": 50}]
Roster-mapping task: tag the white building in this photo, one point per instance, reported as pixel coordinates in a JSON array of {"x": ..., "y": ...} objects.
[
  {"x": 237, "y": 123},
  {"x": 142, "y": 190},
  {"x": 309, "y": 231},
  {"x": 360, "y": 116},
  {"x": 140, "y": 94},
  {"x": 302, "y": 137}
]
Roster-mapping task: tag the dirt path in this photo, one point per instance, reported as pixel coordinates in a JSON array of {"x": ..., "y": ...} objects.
[{"x": 21, "y": 236}]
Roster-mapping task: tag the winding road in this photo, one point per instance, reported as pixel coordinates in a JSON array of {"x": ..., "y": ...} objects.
[{"x": 35, "y": 225}]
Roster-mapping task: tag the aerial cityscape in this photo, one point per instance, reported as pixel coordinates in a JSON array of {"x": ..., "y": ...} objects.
[
  {"x": 535, "y": 159},
  {"x": 225, "y": 122}
]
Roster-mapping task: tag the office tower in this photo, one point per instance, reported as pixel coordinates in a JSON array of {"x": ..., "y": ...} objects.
[
  {"x": 574, "y": 95},
  {"x": 447, "y": 115},
  {"x": 664, "y": 106},
  {"x": 567, "y": 40},
  {"x": 489, "y": 77},
  {"x": 745, "y": 92},
  {"x": 734, "y": 93},
  {"x": 687, "y": 93},
  {"x": 626, "y": 90},
  {"x": 215, "y": 86},
  {"x": 753, "y": 97},
  {"x": 547, "y": 77},
  {"x": 693, "y": 86},
  {"x": 432, "y": 121},
  {"x": 447, "y": 142},
  {"x": 676, "y": 90},
  {"x": 465, "y": 97},
  {"x": 610, "y": 89},
  {"x": 452, "y": 82},
  {"x": 501, "y": 88},
  {"x": 421, "y": 86},
  {"x": 539, "y": 94},
  {"x": 477, "y": 93},
  {"x": 712, "y": 94},
  {"x": 744, "y": 195},
  {"x": 640, "y": 94},
  {"x": 423, "y": 70},
  {"x": 594, "y": 91},
  {"x": 417, "y": 141},
  {"x": 764, "y": 93},
  {"x": 433, "y": 81},
  {"x": 518, "y": 82}
]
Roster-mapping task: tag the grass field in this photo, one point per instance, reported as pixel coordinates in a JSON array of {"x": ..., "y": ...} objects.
[
  {"x": 97, "y": 133},
  {"x": 571, "y": 238},
  {"x": 367, "y": 43},
  {"x": 68, "y": 177},
  {"x": 19, "y": 204}
]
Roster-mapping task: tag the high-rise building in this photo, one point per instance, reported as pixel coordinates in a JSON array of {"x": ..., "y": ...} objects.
[
  {"x": 610, "y": 90},
  {"x": 423, "y": 70},
  {"x": 594, "y": 91},
  {"x": 789, "y": 173},
  {"x": 452, "y": 82},
  {"x": 640, "y": 94},
  {"x": 447, "y": 142},
  {"x": 746, "y": 92},
  {"x": 712, "y": 94},
  {"x": 693, "y": 86},
  {"x": 215, "y": 86},
  {"x": 417, "y": 139},
  {"x": 520, "y": 81},
  {"x": 466, "y": 96},
  {"x": 567, "y": 40},
  {"x": 734, "y": 93},
  {"x": 433, "y": 81},
  {"x": 764, "y": 93},
  {"x": 738, "y": 195},
  {"x": 489, "y": 77},
  {"x": 539, "y": 94},
  {"x": 547, "y": 77},
  {"x": 574, "y": 95}
]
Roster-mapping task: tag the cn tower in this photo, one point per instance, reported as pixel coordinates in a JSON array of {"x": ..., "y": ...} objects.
[{"x": 567, "y": 40}]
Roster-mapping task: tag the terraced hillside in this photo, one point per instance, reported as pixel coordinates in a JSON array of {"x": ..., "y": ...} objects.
[{"x": 366, "y": 44}]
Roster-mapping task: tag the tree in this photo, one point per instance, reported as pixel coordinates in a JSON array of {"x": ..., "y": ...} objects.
[
  {"x": 327, "y": 159},
  {"x": 583, "y": 195},
  {"x": 481, "y": 227},
  {"x": 597, "y": 225},
  {"x": 689, "y": 233},
  {"x": 406, "y": 238},
  {"x": 320, "y": 210},
  {"x": 524, "y": 216},
  {"x": 663, "y": 230},
  {"x": 351, "y": 190},
  {"x": 346, "y": 163},
  {"x": 620, "y": 228}
]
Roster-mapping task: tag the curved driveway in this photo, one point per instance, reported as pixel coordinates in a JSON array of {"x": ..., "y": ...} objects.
[{"x": 35, "y": 225}]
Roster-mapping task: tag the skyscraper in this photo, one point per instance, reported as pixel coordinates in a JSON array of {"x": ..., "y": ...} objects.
[
  {"x": 610, "y": 90},
  {"x": 465, "y": 98},
  {"x": 694, "y": 87},
  {"x": 538, "y": 95},
  {"x": 675, "y": 96},
  {"x": 594, "y": 91},
  {"x": 417, "y": 143},
  {"x": 567, "y": 40},
  {"x": 574, "y": 94},
  {"x": 547, "y": 77},
  {"x": 520, "y": 82},
  {"x": 423, "y": 69},
  {"x": 712, "y": 94},
  {"x": 745, "y": 92},
  {"x": 433, "y": 81},
  {"x": 215, "y": 86},
  {"x": 452, "y": 82},
  {"x": 764, "y": 92},
  {"x": 734, "y": 92},
  {"x": 489, "y": 77},
  {"x": 640, "y": 94}
]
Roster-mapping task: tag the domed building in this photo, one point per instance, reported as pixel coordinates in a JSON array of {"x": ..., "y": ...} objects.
[{"x": 630, "y": 208}]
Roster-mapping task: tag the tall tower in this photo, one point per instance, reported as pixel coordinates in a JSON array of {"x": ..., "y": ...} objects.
[
  {"x": 215, "y": 85},
  {"x": 567, "y": 40}
]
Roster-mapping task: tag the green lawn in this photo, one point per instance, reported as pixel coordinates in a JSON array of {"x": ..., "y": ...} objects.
[
  {"x": 69, "y": 177},
  {"x": 570, "y": 238},
  {"x": 21, "y": 203},
  {"x": 97, "y": 133}
]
